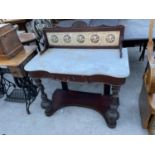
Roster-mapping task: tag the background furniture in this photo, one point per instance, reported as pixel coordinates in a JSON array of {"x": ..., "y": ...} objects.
[
  {"x": 20, "y": 22},
  {"x": 147, "y": 96},
  {"x": 10, "y": 48},
  {"x": 36, "y": 27},
  {"x": 135, "y": 33},
  {"x": 28, "y": 38},
  {"x": 16, "y": 66}
]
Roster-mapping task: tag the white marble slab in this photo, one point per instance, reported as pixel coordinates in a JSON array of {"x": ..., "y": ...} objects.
[{"x": 82, "y": 62}]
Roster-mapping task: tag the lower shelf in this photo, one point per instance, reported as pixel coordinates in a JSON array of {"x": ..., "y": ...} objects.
[{"x": 100, "y": 103}]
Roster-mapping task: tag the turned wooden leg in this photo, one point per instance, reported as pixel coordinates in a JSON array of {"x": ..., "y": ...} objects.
[
  {"x": 112, "y": 115},
  {"x": 45, "y": 103},
  {"x": 143, "y": 52}
]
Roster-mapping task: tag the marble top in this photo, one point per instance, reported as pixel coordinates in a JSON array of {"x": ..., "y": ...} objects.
[{"x": 86, "y": 62}]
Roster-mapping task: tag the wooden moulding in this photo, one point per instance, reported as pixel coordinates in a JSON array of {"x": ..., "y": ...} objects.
[
  {"x": 78, "y": 78},
  {"x": 10, "y": 44}
]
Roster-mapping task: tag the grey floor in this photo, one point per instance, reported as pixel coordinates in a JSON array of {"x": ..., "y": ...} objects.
[{"x": 75, "y": 120}]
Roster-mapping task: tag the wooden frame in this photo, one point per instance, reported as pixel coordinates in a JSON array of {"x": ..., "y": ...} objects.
[{"x": 84, "y": 30}]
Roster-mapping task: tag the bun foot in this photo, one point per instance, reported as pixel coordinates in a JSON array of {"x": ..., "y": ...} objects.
[
  {"x": 49, "y": 111},
  {"x": 111, "y": 118}
]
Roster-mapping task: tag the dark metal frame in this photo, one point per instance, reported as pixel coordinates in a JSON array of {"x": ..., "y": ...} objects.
[
  {"x": 5, "y": 84},
  {"x": 25, "y": 83},
  {"x": 29, "y": 89},
  {"x": 38, "y": 25}
]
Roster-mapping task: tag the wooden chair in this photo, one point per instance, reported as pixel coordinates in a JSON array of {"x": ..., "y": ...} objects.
[
  {"x": 147, "y": 95},
  {"x": 83, "y": 54}
]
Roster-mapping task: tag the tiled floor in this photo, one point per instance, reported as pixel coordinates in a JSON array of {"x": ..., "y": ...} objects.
[{"x": 76, "y": 120}]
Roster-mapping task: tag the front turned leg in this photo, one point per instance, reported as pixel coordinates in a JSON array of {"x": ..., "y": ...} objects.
[
  {"x": 45, "y": 103},
  {"x": 112, "y": 114}
]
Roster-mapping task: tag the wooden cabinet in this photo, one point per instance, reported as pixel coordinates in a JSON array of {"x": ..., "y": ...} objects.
[{"x": 10, "y": 44}]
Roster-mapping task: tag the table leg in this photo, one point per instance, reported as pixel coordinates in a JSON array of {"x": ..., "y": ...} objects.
[
  {"x": 112, "y": 115},
  {"x": 143, "y": 53},
  {"x": 106, "y": 89},
  {"x": 45, "y": 103},
  {"x": 64, "y": 85},
  {"x": 1, "y": 88}
]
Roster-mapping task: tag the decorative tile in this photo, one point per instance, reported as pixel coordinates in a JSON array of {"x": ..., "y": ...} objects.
[
  {"x": 54, "y": 38},
  {"x": 84, "y": 39},
  {"x": 110, "y": 38},
  {"x": 67, "y": 38},
  {"x": 80, "y": 38},
  {"x": 94, "y": 38}
]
